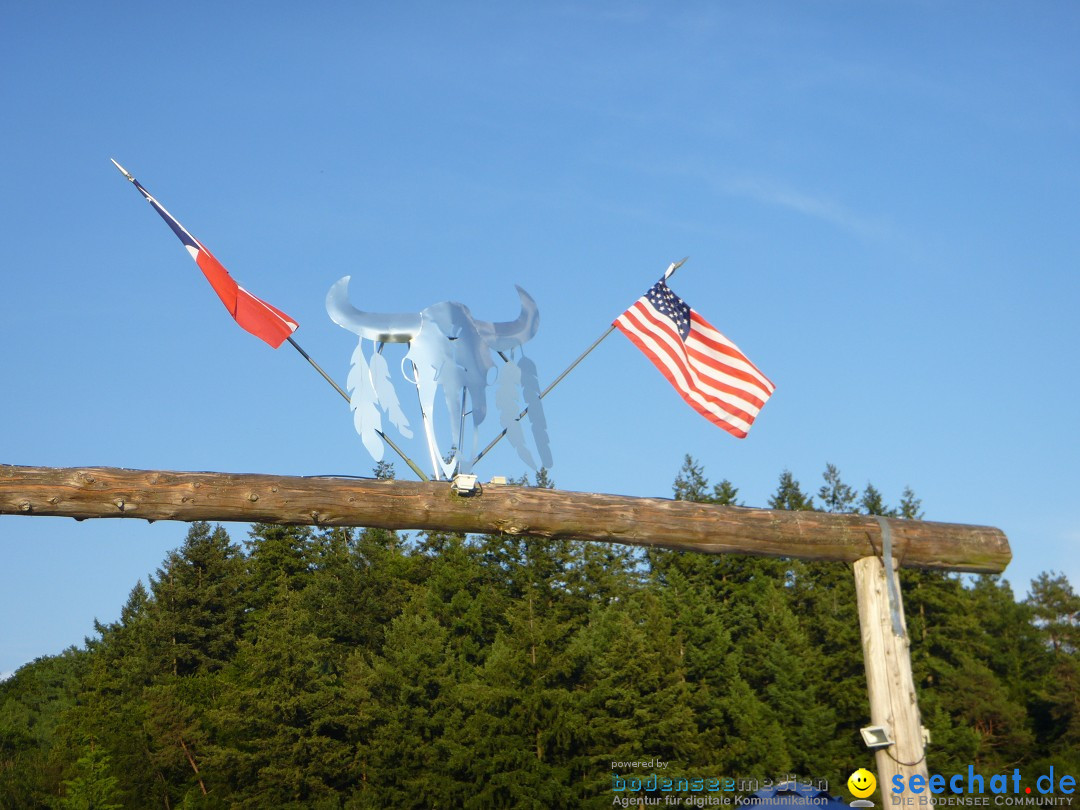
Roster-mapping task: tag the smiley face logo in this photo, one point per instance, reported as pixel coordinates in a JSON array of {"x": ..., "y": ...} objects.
[{"x": 861, "y": 783}]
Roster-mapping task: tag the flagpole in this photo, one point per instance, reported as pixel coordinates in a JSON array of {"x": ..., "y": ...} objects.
[
  {"x": 271, "y": 337},
  {"x": 667, "y": 274},
  {"x": 340, "y": 390}
]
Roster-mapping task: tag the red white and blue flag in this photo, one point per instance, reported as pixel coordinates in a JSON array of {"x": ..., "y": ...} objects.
[
  {"x": 252, "y": 313},
  {"x": 708, "y": 370}
]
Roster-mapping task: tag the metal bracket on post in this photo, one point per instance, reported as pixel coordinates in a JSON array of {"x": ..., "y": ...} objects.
[{"x": 890, "y": 576}]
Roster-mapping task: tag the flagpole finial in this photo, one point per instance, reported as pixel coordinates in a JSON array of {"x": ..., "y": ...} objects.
[
  {"x": 671, "y": 268},
  {"x": 123, "y": 171}
]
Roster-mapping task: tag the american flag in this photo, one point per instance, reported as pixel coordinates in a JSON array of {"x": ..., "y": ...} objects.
[
  {"x": 707, "y": 369},
  {"x": 266, "y": 322}
]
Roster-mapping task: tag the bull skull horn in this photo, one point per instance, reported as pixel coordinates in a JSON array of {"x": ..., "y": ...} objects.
[
  {"x": 384, "y": 327},
  {"x": 507, "y": 335}
]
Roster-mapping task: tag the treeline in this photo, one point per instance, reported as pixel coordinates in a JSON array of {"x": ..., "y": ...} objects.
[{"x": 341, "y": 669}]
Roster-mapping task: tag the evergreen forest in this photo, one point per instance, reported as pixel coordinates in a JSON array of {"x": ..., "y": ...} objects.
[{"x": 329, "y": 668}]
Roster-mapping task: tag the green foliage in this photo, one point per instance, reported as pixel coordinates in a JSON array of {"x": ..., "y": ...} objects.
[
  {"x": 93, "y": 787},
  {"x": 1056, "y": 608},
  {"x": 836, "y": 496},
  {"x": 910, "y": 506},
  {"x": 691, "y": 485},
  {"x": 33, "y": 704},
  {"x": 348, "y": 669},
  {"x": 873, "y": 503},
  {"x": 1055, "y": 681},
  {"x": 789, "y": 495},
  {"x": 199, "y": 601}
]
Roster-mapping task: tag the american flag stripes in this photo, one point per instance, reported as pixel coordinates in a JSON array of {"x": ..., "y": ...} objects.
[
  {"x": 252, "y": 313},
  {"x": 707, "y": 369}
]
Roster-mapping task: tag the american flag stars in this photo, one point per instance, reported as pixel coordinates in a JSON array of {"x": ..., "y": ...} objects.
[{"x": 667, "y": 303}]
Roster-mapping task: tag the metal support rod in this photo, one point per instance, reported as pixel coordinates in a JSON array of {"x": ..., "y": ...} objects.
[
  {"x": 667, "y": 274},
  {"x": 319, "y": 369},
  {"x": 429, "y": 427},
  {"x": 544, "y": 393},
  {"x": 461, "y": 433},
  {"x": 340, "y": 390}
]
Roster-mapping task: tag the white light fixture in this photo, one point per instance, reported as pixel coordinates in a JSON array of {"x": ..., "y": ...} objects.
[
  {"x": 876, "y": 737},
  {"x": 464, "y": 484}
]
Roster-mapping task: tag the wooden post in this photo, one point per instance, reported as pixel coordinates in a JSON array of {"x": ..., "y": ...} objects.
[{"x": 889, "y": 680}]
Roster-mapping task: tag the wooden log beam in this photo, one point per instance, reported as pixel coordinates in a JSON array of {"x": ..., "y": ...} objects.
[{"x": 109, "y": 492}]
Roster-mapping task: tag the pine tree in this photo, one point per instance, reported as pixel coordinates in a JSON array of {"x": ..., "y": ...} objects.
[
  {"x": 404, "y": 709},
  {"x": 968, "y": 650},
  {"x": 34, "y": 703},
  {"x": 789, "y": 495},
  {"x": 910, "y": 506},
  {"x": 93, "y": 787},
  {"x": 725, "y": 594},
  {"x": 198, "y": 601},
  {"x": 123, "y": 662},
  {"x": 520, "y": 715},
  {"x": 690, "y": 482},
  {"x": 176, "y": 736},
  {"x": 823, "y": 602},
  {"x": 692, "y": 485},
  {"x": 785, "y": 668},
  {"x": 520, "y": 718},
  {"x": 726, "y": 494},
  {"x": 634, "y": 697},
  {"x": 1056, "y": 609},
  {"x": 1055, "y": 699},
  {"x": 359, "y": 581},
  {"x": 280, "y": 729},
  {"x": 278, "y": 556},
  {"x": 873, "y": 503},
  {"x": 836, "y": 496},
  {"x": 736, "y": 733},
  {"x": 466, "y": 591}
]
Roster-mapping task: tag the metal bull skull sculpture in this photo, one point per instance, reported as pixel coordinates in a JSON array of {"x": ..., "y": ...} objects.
[{"x": 451, "y": 349}]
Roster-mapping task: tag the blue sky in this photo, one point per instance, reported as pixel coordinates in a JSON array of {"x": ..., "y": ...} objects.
[{"x": 879, "y": 200}]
